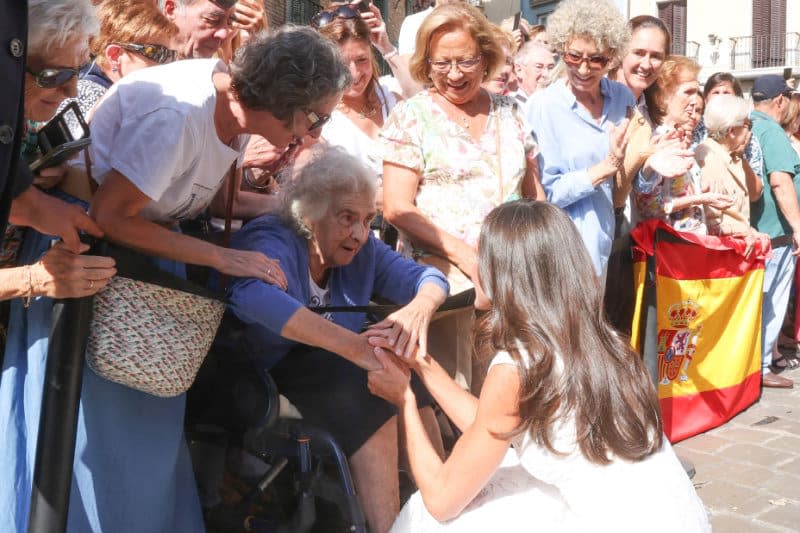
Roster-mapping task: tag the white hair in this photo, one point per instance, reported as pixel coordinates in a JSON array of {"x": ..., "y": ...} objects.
[
  {"x": 321, "y": 184},
  {"x": 528, "y": 50},
  {"x": 723, "y": 112},
  {"x": 54, "y": 23}
]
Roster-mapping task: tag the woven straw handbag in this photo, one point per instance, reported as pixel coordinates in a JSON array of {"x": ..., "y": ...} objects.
[{"x": 150, "y": 330}]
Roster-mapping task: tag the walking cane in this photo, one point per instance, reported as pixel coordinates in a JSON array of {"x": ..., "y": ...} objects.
[{"x": 55, "y": 446}]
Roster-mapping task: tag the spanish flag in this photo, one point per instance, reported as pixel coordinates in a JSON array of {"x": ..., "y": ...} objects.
[{"x": 707, "y": 338}]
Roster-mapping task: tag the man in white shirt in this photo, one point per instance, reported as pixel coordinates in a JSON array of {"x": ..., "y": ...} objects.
[
  {"x": 407, "y": 40},
  {"x": 533, "y": 65},
  {"x": 203, "y": 24}
]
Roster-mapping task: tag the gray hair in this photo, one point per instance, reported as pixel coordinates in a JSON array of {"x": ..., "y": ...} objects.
[
  {"x": 291, "y": 68},
  {"x": 723, "y": 112},
  {"x": 525, "y": 53},
  {"x": 54, "y": 23},
  {"x": 320, "y": 184},
  {"x": 598, "y": 20}
]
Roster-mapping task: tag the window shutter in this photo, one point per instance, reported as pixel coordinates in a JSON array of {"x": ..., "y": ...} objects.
[{"x": 673, "y": 14}]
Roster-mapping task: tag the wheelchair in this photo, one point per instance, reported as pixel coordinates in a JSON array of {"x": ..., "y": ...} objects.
[{"x": 230, "y": 406}]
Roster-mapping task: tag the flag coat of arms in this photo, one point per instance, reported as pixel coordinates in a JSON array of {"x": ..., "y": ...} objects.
[{"x": 708, "y": 334}]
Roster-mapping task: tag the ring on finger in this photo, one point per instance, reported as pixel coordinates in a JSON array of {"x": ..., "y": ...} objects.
[{"x": 91, "y": 284}]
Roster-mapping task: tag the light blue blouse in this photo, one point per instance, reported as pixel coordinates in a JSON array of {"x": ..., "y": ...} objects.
[{"x": 570, "y": 142}]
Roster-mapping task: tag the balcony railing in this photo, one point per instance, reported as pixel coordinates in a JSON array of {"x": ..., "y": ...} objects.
[{"x": 759, "y": 51}]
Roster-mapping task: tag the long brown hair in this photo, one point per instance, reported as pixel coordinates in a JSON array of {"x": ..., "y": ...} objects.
[
  {"x": 547, "y": 302},
  {"x": 341, "y": 30}
]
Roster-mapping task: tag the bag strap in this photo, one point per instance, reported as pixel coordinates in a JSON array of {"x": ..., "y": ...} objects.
[
  {"x": 226, "y": 236},
  {"x": 87, "y": 159},
  {"x": 456, "y": 301}
]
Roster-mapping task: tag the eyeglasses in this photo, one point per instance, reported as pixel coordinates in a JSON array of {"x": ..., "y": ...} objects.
[
  {"x": 316, "y": 120},
  {"x": 595, "y": 62},
  {"x": 323, "y": 18},
  {"x": 49, "y": 78},
  {"x": 747, "y": 123},
  {"x": 463, "y": 65},
  {"x": 154, "y": 52}
]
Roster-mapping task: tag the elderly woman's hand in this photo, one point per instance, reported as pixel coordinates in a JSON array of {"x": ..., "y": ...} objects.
[
  {"x": 63, "y": 274},
  {"x": 247, "y": 264},
  {"x": 752, "y": 238},
  {"x": 670, "y": 161},
  {"x": 392, "y": 382},
  {"x": 406, "y": 329},
  {"x": 47, "y": 178}
]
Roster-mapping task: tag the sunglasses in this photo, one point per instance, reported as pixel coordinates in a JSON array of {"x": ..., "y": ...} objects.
[
  {"x": 323, "y": 18},
  {"x": 48, "y": 78},
  {"x": 154, "y": 52},
  {"x": 595, "y": 62},
  {"x": 747, "y": 123},
  {"x": 316, "y": 120}
]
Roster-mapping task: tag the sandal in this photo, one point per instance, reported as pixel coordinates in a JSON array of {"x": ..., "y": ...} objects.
[{"x": 783, "y": 363}]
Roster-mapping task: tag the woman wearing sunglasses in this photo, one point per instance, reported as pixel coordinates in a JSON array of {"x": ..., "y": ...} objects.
[
  {"x": 580, "y": 120},
  {"x": 163, "y": 140},
  {"x": 451, "y": 154},
  {"x": 365, "y": 106},
  {"x": 133, "y": 35}
]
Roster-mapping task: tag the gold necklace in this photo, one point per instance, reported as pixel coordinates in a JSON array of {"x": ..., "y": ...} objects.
[{"x": 368, "y": 111}]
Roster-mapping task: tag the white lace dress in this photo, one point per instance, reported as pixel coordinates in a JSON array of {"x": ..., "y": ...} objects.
[{"x": 535, "y": 490}]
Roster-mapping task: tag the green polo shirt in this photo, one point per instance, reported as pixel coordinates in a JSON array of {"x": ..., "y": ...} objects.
[{"x": 779, "y": 156}]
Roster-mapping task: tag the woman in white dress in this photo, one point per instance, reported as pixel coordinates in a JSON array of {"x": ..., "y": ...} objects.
[{"x": 564, "y": 388}]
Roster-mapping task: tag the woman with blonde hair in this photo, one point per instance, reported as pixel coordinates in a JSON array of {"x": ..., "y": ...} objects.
[
  {"x": 452, "y": 153},
  {"x": 134, "y": 34}
]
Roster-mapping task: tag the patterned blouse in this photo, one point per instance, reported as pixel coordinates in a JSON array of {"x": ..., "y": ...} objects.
[
  {"x": 461, "y": 179},
  {"x": 653, "y": 194}
]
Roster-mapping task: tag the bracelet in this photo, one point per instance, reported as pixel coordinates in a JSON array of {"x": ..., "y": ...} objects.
[
  {"x": 248, "y": 179},
  {"x": 26, "y": 300},
  {"x": 388, "y": 56}
]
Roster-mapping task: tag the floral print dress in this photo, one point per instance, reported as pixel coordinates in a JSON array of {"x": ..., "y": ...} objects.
[{"x": 461, "y": 178}]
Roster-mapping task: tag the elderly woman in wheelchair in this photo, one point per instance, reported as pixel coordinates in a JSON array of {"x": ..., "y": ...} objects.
[{"x": 319, "y": 360}]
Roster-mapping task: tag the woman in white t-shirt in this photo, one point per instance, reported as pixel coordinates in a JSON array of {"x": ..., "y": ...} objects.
[
  {"x": 163, "y": 139},
  {"x": 564, "y": 389}
]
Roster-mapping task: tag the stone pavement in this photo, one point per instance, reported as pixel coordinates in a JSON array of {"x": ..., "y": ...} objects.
[{"x": 748, "y": 470}]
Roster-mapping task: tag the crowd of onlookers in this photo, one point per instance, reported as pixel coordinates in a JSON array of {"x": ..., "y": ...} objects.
[{"x": 434, "y": 180}]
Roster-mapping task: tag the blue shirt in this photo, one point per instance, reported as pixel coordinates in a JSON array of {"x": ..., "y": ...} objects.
[
  {"x": 376, "y": 269},
  {"x": 570, "y": 142}
]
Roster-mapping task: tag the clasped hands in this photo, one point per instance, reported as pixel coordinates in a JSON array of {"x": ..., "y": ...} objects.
[{"x": 399, "y": 344}]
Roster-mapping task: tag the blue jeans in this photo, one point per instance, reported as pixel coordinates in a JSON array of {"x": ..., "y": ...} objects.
[{"x": 778, "y": 276}]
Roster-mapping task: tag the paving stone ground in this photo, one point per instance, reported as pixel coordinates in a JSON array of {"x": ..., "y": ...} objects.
[{"x": 748, "y": 470}]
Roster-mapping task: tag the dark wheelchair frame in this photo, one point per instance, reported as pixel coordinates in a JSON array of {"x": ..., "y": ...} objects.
[
  {"x": 231, "y": 404},
  {"x": 230, "y": 400}
]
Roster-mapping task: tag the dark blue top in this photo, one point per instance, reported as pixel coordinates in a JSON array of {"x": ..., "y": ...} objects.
[{"x": 376, "y": 269}]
